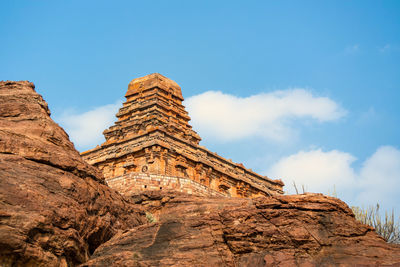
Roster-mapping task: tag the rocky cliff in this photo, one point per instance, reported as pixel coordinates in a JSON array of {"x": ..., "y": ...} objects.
[
  {"x": 55, "y": 210},
  {"x": 301, "y": 230}
]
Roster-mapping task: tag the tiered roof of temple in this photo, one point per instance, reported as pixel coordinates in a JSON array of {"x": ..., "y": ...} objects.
[{"x": 153, "y": 136}]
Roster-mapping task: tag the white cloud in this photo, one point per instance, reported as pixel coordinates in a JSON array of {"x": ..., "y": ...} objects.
[
  {"x": 378, "y": 180},
  {"x": 379, "y": 177},
  {"x": 268, "y": 115},
  {"x": 85, "y": 129},
  {"x": 318, "y": 171}
]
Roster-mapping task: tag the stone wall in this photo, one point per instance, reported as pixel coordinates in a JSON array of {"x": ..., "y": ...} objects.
[
  {"x": 158, "y": 153},
  {"x": 138, "y": 182}
]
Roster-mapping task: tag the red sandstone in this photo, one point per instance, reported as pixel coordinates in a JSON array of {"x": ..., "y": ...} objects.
[{"x": 55, "y": 210}]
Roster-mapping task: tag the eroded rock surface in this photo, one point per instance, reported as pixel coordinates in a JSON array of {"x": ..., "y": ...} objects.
[
  {"x": 55, "y": 209},
  {"x": 302, "y": 230}
]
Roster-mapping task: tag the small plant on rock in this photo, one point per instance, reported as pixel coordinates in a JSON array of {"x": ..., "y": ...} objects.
[
  {"x": 150, "y": 218},
  {"x": 386, "y": 227}
]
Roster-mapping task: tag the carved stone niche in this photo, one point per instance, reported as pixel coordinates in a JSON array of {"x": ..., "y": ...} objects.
[
  {"x": 156, "y": 151},
  {"x": 149, "y": 155},
  {"x": 224, "y": 185},
  {"x": 199, "y": 170},
  {"x": 181, "y": 165},
  {"x": 209, "y": 172},
  {"x": 164, "y": 154},
  {"x": 242, "y": 189},
  {"x": 130, "y": 166},
  {"x": 181, "y": 162},
  {"x": 224, "y": 188}
]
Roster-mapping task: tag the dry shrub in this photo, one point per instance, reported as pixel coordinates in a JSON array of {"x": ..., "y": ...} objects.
[{"x": 386, "y": 227}]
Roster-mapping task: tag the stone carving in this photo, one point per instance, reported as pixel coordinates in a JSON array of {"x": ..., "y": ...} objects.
[{"x": 153, "y": 135}]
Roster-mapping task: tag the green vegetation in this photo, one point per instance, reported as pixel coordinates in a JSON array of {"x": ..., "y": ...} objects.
[
  {"x": 387, "y": 227},
  {"x": 150, "y": 218}
]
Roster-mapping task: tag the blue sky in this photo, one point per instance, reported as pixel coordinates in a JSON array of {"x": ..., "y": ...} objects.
[{"x": 310, "y": 90}]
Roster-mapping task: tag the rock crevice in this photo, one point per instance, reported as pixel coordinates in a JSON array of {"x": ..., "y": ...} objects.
[{"x": 56, "y": 209}]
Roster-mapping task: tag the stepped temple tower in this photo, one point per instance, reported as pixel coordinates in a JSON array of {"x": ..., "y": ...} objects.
[{"x": 153, "y": 147}]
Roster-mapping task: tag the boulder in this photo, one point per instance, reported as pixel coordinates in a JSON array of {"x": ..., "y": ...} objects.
[
  {"x": 296, "y": 230},
  {"x": 55, "y": 209}
]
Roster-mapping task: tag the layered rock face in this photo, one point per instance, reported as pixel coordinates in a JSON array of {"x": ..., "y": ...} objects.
[
  {"x": 301, "y": 230},
  {"x": 55, "y": 209},
  {"x": 153, "y": 137}
]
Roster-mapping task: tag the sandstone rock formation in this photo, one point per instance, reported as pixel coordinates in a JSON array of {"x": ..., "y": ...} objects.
[
  {"x": 153, "y": 137},
  {"x": 55, "y": 209},
  {"x": 300, "y": 230}
]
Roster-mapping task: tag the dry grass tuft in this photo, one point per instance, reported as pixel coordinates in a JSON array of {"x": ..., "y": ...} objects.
[{"x": 387, "y": 227}]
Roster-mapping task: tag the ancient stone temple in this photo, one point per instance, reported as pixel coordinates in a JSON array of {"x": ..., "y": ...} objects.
[{"x": 152, "y": 146}]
